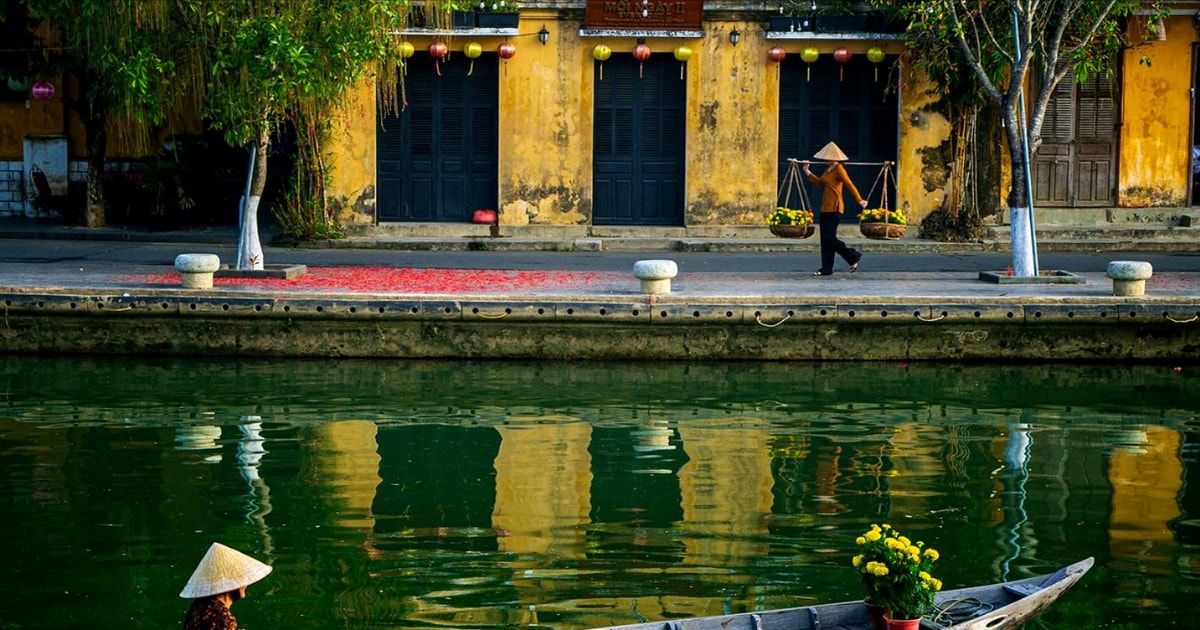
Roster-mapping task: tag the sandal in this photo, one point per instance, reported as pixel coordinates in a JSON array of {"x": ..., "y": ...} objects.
[
  {"x": 854, "y": 267},
  {"x": 821, "y": 273}
]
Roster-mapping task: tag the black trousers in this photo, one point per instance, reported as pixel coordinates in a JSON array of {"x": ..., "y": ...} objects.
[{"x": 830, "y": 244}]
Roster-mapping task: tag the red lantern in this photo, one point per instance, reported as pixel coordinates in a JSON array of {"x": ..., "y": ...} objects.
[
  {"x": 506, "y": 50},
  {"x": 438, "y": 50},
  {"x": 641, "y": 52},
  {"x": 776, "y": 54},
  {"x": 43, "y": 91},
  {"x": 842, "y": 56}
]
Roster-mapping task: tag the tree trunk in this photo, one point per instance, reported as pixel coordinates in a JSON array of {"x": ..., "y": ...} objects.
[
  {"x": 1019, "y": 206},
  {"x": 96, "y": 137},
  {"x": 989, "y": 132},
  {"x": 250, "y": 253}
]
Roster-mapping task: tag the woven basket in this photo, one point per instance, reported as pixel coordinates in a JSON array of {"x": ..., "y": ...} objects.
[
  {"x": 881, "y": 231},
  {"x": 794, "y": 231}
]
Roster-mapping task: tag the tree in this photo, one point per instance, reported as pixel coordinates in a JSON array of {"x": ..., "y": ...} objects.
[
  {"x": 126, "y": 57},
  {"x": 1010, "y": 46},
  {"x": 271, "y": 64}
]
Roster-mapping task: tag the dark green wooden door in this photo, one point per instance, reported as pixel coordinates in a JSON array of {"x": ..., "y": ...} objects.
[
  {"x": 438, "y": 160},
  {"x": 639, "y": 142},
  {"x": 850, "y": 104}
]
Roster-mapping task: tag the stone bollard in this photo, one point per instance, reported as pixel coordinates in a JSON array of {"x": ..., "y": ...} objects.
[
  {"x": 197, "y": 269},
  {"x": 655, "y": 275},
  {"x": 1129, "y": 276}
]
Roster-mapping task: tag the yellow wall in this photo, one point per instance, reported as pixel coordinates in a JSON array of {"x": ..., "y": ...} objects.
[
  {"x": 1156, "y": 106},
  {"x": 351, "y": 151}
]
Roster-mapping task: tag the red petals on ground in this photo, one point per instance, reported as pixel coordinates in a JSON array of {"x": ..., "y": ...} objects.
[{"x": 406, "y": 280}]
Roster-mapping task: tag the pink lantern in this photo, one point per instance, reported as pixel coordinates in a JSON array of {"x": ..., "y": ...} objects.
[
  {"x": 776, "y": 54},
  {"x": 43, "y": 90},
  {"x": 439, "y": 51},
  {"x": 641, "y": 52},
  {"x": 842, "y": 56},
  {"x": 506, "y": 50}
]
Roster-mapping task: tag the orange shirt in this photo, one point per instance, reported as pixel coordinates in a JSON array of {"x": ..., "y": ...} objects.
[{"x": 832, "y": 180}]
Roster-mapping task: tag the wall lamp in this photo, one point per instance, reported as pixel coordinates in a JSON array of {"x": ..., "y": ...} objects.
[
  {"x": 543, "y": 35},
  {"x": 735, "y": 36}
]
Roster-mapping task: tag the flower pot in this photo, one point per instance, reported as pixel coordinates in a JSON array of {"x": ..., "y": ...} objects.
[
  {"x": 904, "y": 624},
  {"x": 462, "y": 19},
  {"x": 881, "y": 231},
  {"x": 793, "y": 231},
  {"x": 877, "y": 615}
]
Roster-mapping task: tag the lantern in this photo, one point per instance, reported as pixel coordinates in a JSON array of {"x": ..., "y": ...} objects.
[
  {"x": 682, "y": 54},
  {"x": 43, "y": 90},
  {"x": 601, "y": 53},
  {"x": 842, "y": 56},
  {"x": 875, "y": 55},
  {"x": 407, "y": 49},
  {"x": 810, "y": 56},
  {"x": 641, "y": 52},
  {"x": 776, "y": 54},
  {"x": 439, "y": 51},
  {"x": 506, "y": 51},
  {"x": 472, "y": 51}
]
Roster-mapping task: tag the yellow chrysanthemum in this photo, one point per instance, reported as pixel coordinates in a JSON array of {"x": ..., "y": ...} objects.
[
  {"x": 872, "y": 535},
  {"x": 932, "y": 554}
]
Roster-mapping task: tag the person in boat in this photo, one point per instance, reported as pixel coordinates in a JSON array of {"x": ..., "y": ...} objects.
[
  {"x": 833, "y": 181},
  {"x": 219, "y": 580}
]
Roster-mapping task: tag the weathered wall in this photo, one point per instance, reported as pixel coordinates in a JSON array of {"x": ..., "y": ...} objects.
[
  {"x": 1156, "y": 107},
  {"x": 350, "y": 155},
  {"x": 732, "y": 122},
  {"x": 546, "y": 125}
]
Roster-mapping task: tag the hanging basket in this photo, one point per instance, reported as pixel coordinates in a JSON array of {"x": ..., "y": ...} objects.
[
  {"x": 794, "y": 231},
  {"x": 881, "y": 231}
]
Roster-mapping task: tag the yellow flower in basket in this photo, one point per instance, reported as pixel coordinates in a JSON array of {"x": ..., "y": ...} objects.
[
  {"x": 788, "y": 216},
  {"x": 882, "y": 215}
]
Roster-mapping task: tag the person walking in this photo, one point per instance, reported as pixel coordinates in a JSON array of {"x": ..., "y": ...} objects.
[
  {"x": 833, "y": 181},
  {"x": 219, "y": 580}
]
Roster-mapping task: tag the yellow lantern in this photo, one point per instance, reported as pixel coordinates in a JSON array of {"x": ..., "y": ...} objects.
[
  {"x": 682, "y": 54},
  {"x": 407, "y": 49},
  {"x": 875, "y": 55},
  {"x": 809, "y": 55},
  {"x": 601, "y": 53},
  {"x": 472, "y": 51}
]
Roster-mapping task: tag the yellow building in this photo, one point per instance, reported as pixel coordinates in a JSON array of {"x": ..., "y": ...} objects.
[{"x": 589, "y": 115}]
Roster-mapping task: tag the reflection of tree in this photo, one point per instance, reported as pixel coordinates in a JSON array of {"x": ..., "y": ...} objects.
[{"x": 250, "y": 452}]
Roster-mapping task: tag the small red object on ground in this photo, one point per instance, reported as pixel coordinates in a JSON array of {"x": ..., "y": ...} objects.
[{"x": 484, "y": 216}]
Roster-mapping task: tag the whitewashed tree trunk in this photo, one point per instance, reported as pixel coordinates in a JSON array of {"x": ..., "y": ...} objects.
[
  {"x": 250, "y": 252},
  {"x": 1022, "y": 242}
]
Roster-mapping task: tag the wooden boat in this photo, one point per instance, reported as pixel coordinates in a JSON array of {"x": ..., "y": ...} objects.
[{"x": 991, "y": 607}]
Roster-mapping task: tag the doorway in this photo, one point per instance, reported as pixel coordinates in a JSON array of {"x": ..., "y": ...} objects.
[
  {"x": 438, "y": 158},
  {"x": 639, "y": 129}
]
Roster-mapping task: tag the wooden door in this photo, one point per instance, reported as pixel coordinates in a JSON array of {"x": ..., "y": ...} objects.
[
  {"x": 438, "y": 160},
  {"x": 1076, "y": 163},
  {"x": 850, "y": 104},
  {"x": 638, "y": 156}
]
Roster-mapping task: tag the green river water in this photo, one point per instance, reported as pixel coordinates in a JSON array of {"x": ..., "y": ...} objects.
[{"x": 395, "y": 494}]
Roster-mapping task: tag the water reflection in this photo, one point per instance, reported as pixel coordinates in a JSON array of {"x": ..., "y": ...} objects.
[{"x": 418, "y": 494}]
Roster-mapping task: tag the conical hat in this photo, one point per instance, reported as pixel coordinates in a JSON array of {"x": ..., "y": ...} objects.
[
  {"x": 832, "y": 153},
  {"x": 222, "y": 570}
]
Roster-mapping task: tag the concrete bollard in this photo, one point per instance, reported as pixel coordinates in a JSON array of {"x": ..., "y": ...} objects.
[
  {"x": 655, "y": 275},
  {"x": 197, "y": 269},
  {"x": 1129, "y": 276}
]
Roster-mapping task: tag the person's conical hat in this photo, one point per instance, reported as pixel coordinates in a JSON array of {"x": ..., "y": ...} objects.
[
  {"x": 832, "y": 153},
  {"x": 222, "y": 570}
]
